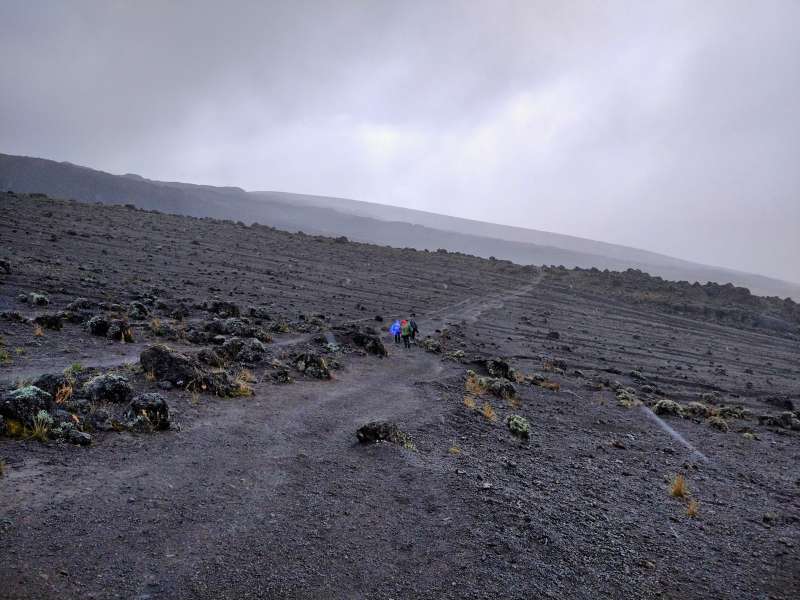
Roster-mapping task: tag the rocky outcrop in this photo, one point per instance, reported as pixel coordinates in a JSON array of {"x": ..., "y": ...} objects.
[{"x": 108, "y": 387}]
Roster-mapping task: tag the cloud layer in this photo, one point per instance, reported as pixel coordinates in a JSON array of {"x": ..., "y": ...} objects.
[{"x": 670, "y": 126}]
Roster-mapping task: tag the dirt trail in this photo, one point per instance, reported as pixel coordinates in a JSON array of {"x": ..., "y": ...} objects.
[{"x": 247, "y": 472}]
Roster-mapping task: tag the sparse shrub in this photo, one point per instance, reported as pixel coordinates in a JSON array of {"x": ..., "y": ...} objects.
[
  {"x": 518, "y": 426},
  {"x": 698, "y": 409},
  {"x": 42, "y": 422},
  {"x": 626, "y": 397},
  {"x": 127, "y": 335},
  {"x": 692, "y": 509},
  {"x": 241, "y": 383},
  {"x": 488, "y": 412},
  {"x": 718, "y": 423},
  {"x": 668, "y": 407},
  {"x": 454, "y": 450},
  {"x": 5, "y": 356},
  {"x": 469, "y": 402},
  {"x": 150, "y": 376},
  {"x": 678, "y": 488},
  {"x": 553, "y": 386}
]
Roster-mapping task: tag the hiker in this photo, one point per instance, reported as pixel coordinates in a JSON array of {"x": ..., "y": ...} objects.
[
  {"x": 414, "y": 329},
  {"x": 405, "y": 330},
  {"x": 395, "y": 329}
]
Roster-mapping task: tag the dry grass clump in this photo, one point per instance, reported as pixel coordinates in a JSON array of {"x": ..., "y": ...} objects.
[
  {"x": 127, "y": 335},
  {"x": 38, "y": 331},
  {"x": 41, "y": 426},
  {"x": 488, "y": 412},
  {"x": 454, "y": 450},
  {"x": 63, "y": 394},
  {"x": 155, "y": 325},
  {"x": 242, "y": 383},
  {"x": 2, "y": 467},
  {"x": 150, "y": 376},
  {"x": 692, "y": 509},
  {"x": 473, "y": 384},
  {"x": 677, "y": 488},
  {"x": 553, "y": 386}
]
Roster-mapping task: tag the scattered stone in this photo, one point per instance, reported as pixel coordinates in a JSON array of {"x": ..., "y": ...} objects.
[
  {"x": 785, "y": 420},
  {"x": 108, "y": 387},
  {"x": 553, "y": 335},
  {"x": 153, "y": 407},
  {"x": 380, "y": 431}
]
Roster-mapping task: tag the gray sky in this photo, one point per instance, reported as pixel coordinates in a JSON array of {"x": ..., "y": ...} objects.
[{"x": 669, "y": 126}]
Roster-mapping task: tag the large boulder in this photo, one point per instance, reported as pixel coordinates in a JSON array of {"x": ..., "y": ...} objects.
[
  {"x": 369, "y": 342},
  {"x": 108, "y": 387},
  {"x": 152, "y": 408},
  {"x": 24, "y": 404},
  {"x": 169, "y": 365}
]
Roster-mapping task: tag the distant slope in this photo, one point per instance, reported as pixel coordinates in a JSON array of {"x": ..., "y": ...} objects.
[{"x": 361, "y": 221}]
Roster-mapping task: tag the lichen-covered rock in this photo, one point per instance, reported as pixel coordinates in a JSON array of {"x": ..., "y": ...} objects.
[
  {"x": 38, "y": 299},
  {"x": 119, "y": 330},
  {"x": 498, "y": 367},
  {"x": 25, "y": 403},
  {"x": 138, "y": 311},
  {"x": 98, "y": 325},
  {"x": 51, "y": 383},
  {"x": 383, "y": 431},
  {"x": 52, "y": 321},
  {"x": 429, "y": 344},
  {"x": 79, "y": 305},
  {"x": 153, "y": 407},
  {"x": 312, "y": 365},
  {"x": 518, "y": 426},
  {"x": 665, "y": 407},
  {"x": 785, "y": 420},
  {"x": 108, "y": 387},
  {"x": 169, "y": 365}
]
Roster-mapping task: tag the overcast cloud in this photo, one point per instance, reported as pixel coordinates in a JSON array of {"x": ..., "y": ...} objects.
[{"x": 669, "y": 126}]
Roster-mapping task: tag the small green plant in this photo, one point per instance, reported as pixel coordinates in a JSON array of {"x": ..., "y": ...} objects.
[
  {"x": 518, "y": 426},
  {"x": 71, "y": 372},
  {"x": 41, "y": 425}
]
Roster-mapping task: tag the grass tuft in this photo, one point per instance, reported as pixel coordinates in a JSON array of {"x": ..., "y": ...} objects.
[
  {"x": 63, "y": 394},
  {"x": 692, "y": 509},
  {"x": 678, "y": 487},
  {"x": 488, "y": 412},
  {"x": 38, "y": 331}
]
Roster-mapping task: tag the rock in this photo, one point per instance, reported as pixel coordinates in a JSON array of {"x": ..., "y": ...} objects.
[
  {"x": 24, "y": 404},
  {"x": 312, "y": 365},
  {"x": 98, "y": 325},
  {"x": 668, "y": 407},
  {"x": 80, "y": 304},
  {"x": 169, "y": 365},
  {"x": 180, "y": 312},
  {"x": 52, "y": 321},
  {"x": 252, "y": 351},
  {"x": 108, "y": 387},
  {"x": 518, "y": 426},
  {"x": 260, "y": 312},
  {"x": 5, "y": 267},
  {"x": 637, "y": 375},
  {"x": 785, "y": 420},
  {"x": 553, "y": 335},
  {"x": 497, "y": 367},
  {"x": 698, "y": 409},
  {"x": 210, "y": 357},
  {"x": 779, "y": 402},
  {"x": 69, "y": 433},
  {"x": 380, "y": 431},
  {"x": 429, "y": 344},
  {"x": 224, "y": 308},
  {"x": 38, "y": 299},
  {"x": 232, "y": 326},
  {"x": 282, "y": 375},
  {"x": 138, "y": 311},
  {"x": 119, "y": 330},
  {"x": 153, "y": 407},
  {"x": 51, "y": 383},
  {"x": 369, "y": 342}
]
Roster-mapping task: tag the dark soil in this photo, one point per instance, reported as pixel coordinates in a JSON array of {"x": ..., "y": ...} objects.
[{"x": 272, "y": 495}]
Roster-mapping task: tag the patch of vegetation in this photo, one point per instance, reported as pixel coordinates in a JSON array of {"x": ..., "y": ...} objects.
[
  {"x": 63, "y": 394},
  {"x": 692, "y": 509},
  {"x": 454, "y": 450},
  {"x": 488, "y": 412},
  {"x": 42, "y": 422},
  {"x": 38, "y": 330},
  {"x": 2, "y": 467},
  {"x": 518, "y": 426},
  {"x": 678, "y": 488}
]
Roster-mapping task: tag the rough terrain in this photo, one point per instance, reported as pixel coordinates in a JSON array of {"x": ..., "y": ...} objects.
[{"x": 269, "y": 494}]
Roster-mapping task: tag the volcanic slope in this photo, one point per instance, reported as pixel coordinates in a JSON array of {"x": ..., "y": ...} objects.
[{"x": 270, "y": 495}]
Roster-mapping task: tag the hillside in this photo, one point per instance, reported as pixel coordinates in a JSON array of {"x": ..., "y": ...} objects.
[{"x": 362, "y": 221}]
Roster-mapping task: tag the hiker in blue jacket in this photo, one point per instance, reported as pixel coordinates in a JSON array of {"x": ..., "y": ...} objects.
[{"x": 395, "y": 330}]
